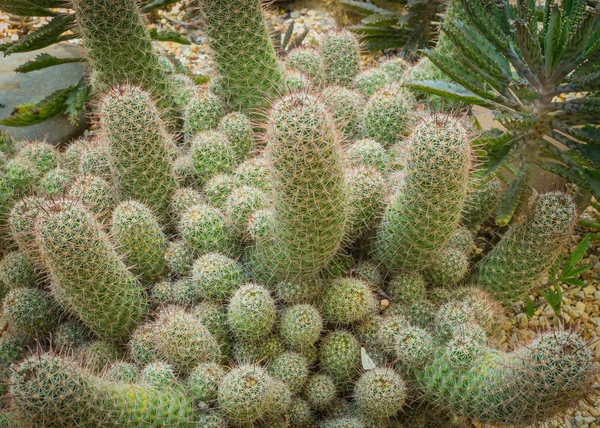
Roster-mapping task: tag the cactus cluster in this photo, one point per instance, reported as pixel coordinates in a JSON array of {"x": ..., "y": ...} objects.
[{"x": 201, "y": 279}]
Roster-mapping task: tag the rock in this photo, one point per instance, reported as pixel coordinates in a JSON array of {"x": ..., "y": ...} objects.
[
  {"x": 597, "y": 295},
  {"x": 589, "y": 290},
  {"x": 19, "y": 88}
]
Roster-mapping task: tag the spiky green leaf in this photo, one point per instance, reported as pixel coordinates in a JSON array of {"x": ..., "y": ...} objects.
[
  {"x": 508, "y": 203},
  {"x": 362, "y": 8},
  {"x": 76, "y": 102},
  {"x": 168, "y": 36},
  {"x": 45, "y": 60},
  {"x": 28, "y": 8},
  {"x": 53, "y": 105},
  {"x": 448, "y": 90},
  {"x": 42, "y": 37}
]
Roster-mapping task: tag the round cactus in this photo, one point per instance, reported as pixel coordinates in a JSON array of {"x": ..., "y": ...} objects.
[
  {"x": 98, "y": 354},
  {"x": 370, "y": 81},
  {"x": 368, "y": 271},
  {"x": 216, "y": 277},
  {"x": 425, "y": 211},
  {"x": 211, "y": 154},
  {"x": 294, "y": 292},
  {"x": 387, "y": 114},
  {"x": 395, "y": 68},
  {"x": 260, "y": 351},
  {"x": 179, "y": 292},
  {"x": 301, "y": 326},
  {"x": 71, "y": 157},
  {"x": 347, "y": 300},
  {"x": 212, "y": 419},
  {"x": 449, "y": 267},
  {"x": 29, "y": 311},
  {"x": 203, "y": 112},
  {"x": 179, "y": 258},
  {"x": 340, "y": 357},
  {"x": 185, "y": 172},
  {"x": 462, "y": 239},
  {"x": 70, "y": 335},
  {"x": 219, "y": 187},
  {"x": 96, "y": 194},
  {"x": 340, "y": 265},
  {"x": 183, "y": 89},
  {"x": 121, "y": 371},
  {"x": 340, "y": 58},
  {"x": 21, "y": 222},
  {"x": 320, "y": 392},
  {"x": 411, "y": 347},
  {"x": 214, "y": 318},
  {"x": 183, "y": 199},
  {"x": 15, "y": 272},
  {"x": 95, "y": 160},
  {"x": 254, "y": 172},
  {"x": 407, "y": 287},
  {"x": 204, "y": 229},
  {"x": 481, "y": 202},
  {"x": 306, "y": 61},
  {"x": 42, "y": 155},
  {"x": 369, "y": 152},
  {"x": 21, "y": 175},
  {"x": 291, "y": 368},
  {"x": 300, "y": 414},
  {"x": 158, "y": 375},
  {"x": 140, "y": 239},
  {"x": 380, "y": 393},
  {"x": 251, "y": 312},
  {"x": 345, "y": 106},
  {"x": 54, "y": 183},
  {"x": 203, "y": 382},
  {"x": 241, "y": 203},
  {"x": 238, "y": 130}
]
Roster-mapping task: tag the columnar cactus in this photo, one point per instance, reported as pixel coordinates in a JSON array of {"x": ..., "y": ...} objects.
[
  {"x": 48, "y": 390},
  {"x": 309, "y": 198},
  {"x": 119, "y": 49},
  {"x": 424, "y": 213},
  {"x": 250, "y": 76},
  {"x": 340, "y": 58},
  {"x": 528, "y": 250},
  {"x": 141, "y": 151},
  {"x": 83, "y": 264}
]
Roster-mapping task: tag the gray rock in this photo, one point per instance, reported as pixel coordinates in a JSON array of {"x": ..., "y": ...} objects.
[{"x": 19, "y": 88}]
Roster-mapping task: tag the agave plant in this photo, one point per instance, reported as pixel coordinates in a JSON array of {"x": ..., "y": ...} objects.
[
  {"x": 414, "y": 29},
  {"x": 61, "y": 27},
  {"x": 541, "y": 79}
]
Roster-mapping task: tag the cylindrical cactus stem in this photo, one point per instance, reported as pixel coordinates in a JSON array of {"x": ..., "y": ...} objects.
[
  {"x": 141, "y": 151},
  {"x": 52, "y": 391},
  {"x": 519, "y": 388},
  {"x": 83, "y": 264},
  {"x": 340, "y": 58},
  {"x": 309, "y": 194},
  {"x": 528, "y": 250},
  {"x": 426, "y": 210},
  {"x": 249, "y": 74},
  {"x": 119, "y": 48}
]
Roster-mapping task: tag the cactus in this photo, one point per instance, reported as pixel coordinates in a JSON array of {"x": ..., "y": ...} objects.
[
  {"x": 370, "y": 81},
  {"x": 141, "y": 151},
  {"x": 20, "y": 175},
  {"x": 183, "y": 89},
  {"x": 54, "y": 183},
  {"x": 340, "y": 58},
  {"x": 320, "y": 392},
  {"x": 528, "y": 250},
  {"x": 98, "y": 354},
  {"x": 300, "y": 414},
  {"x": 481, "y": 203},
  {"x": 71, "y": 157},
  {"x": 21, "y": 222},
  {"x": 180, "y": 292},
  {"x": 203, "y": 113},
  {"x": 212, "y": 419},
  {"x": 216, "y": 277},
  {"x": 407, "y": 287},
  {"x": 29, "y": 311},
  {"x": 95, "y": 160},
  {"x": 380, "y": 393},
  {"x": 214, "y": 318},
  {"x": 15, "y": 272},
  {"x": 205, "y": 229},
  {"x": 423, "y": 214},
  {"x": 246, "y": 394},
  {"x": 306, "y": 61},
  {"x": 394, "y": 68},
  {"x": 42, "y": 155},
  {"x": 249, "y": 74},
  {"x": 211, "y": 154},
  {"x": 48, "y": 390},
  {"x": 95, "y": 194},
  {"x": 291, "y": 368},
  {"x": 368, "y": 152},
  {"x": 238, "y": 130},
  {"x": 294, "y": 292},
  {"x": 178, "y": 258},
  {"x": 411, "y": 347},
  {"x": 219, "y": 187},
  {"x": 450, "y": 266},
  {"x": 86, "y": 268},
  {"x": 183, "y": 199},
  {"x": 258, "y": 351},
  {"x": 340, "y": 265},
  {"x": 347, "y": 300},
  {"x": 254, "y": 172},
  {"x": 462, "y": 240},
  {"x": 387, "y": 115},
  {"x": 139, "y": 238},
  {"x": 185, "y": 172},
  {"x": 345, "y": 106},
  {"x": 70, "y": 335},
  {"x": 340, "y": 357},
  {"x": 131, "y": 59},
  {"x": 308, "y": 190},
  {"x": 203, "y": 382},
  {"x": 121, "y": 371},
  {"x": 251, "y": 312},
  {"x": 523, "y": 387},
  {"x": 241, "y": 203},
  {"x": 158, "y": 375}
]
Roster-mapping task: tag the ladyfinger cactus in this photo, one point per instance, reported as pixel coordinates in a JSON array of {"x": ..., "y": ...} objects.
[{"x": 340, "y": 58}]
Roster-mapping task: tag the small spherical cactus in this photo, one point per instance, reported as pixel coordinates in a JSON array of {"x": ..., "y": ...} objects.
[
  {"x": 214, "y": 318},
  {"x": 203, "y": 112},
  {"x": 260, "y": 225},
  {"x": 238, "y": 130},
  {"x": 420, "y": 313},
  {"x": 380, "y": 393},
  {"x": 480, "y": 203},
  {"x": 320, "y": 392},
  {"x": 387, "y": 329},
  {"x": 29, "y": 311},
  {"x": 345, "y": 106},
  {"x": 291, "y": 368},
  {"x": 121, "y": 371},
  {"x": 300, "y": 414},
  {"x": 95, "y": 160},
  {"x": 158, "y": 375},
  {"x": 140, "y": 239},
  {"x": 295, "y": 81},
  {"x": 370, "y": 81},
  {"x": 254, "y": 172},
  {"x": 245, "y": 394},
  {"x": 387, "y": 114},
  {"x": 219, "y": 187},
  {"x": 212, "y": 419},
  {"x": 183, "y": 199},
  {"x": 261, "y": 351},
  {"x": 407, "y": 287},
  {"x": 96, "y": 355},
  {"x": 179, "y": 258},
  {"x": 216, "y": 277},
  {"x": 301, "y": 326},
  {"x": 21, "y": 175},
  {"x": 186, "y": 173},
  {"x": 339, "y": 265},
  {"x": 462, "y": 239},
  {"x": 449, "y": 268},
  {"x": 411, "y": 347},
  {"x": 54, "y": 183},
  {"x": 96, "y": 194},
  {"x": 70, "y": 335},
  {"x": 251, "y": 312},
  {"x": 205, "y": 229},
  {"x": 368, "y": 271},
  {"x": 368, "y": 152},
  {"x": 16, "y": 271},
  {"x": 42, "y": 155},
  {"x": 347, "y": 300},
  {"x": 180, "y": 292},
  {"x": 340, "y": 58},
  {"x": 241, "y": 203},
  {"x": 451, "y": 315},
  {"x": 297, "y": 291},
  {"x": 21, "y": 222},
  {"x": 306, "y": 61},
  {"x": 212, "y": 154},
  {"x": 395, "y": 68},
  {"x": 71, "y": 157},
  {"x": 340, "y": 357},
  {"x": 183, "y": 89},
  {"x": 203, "y": 382}
]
